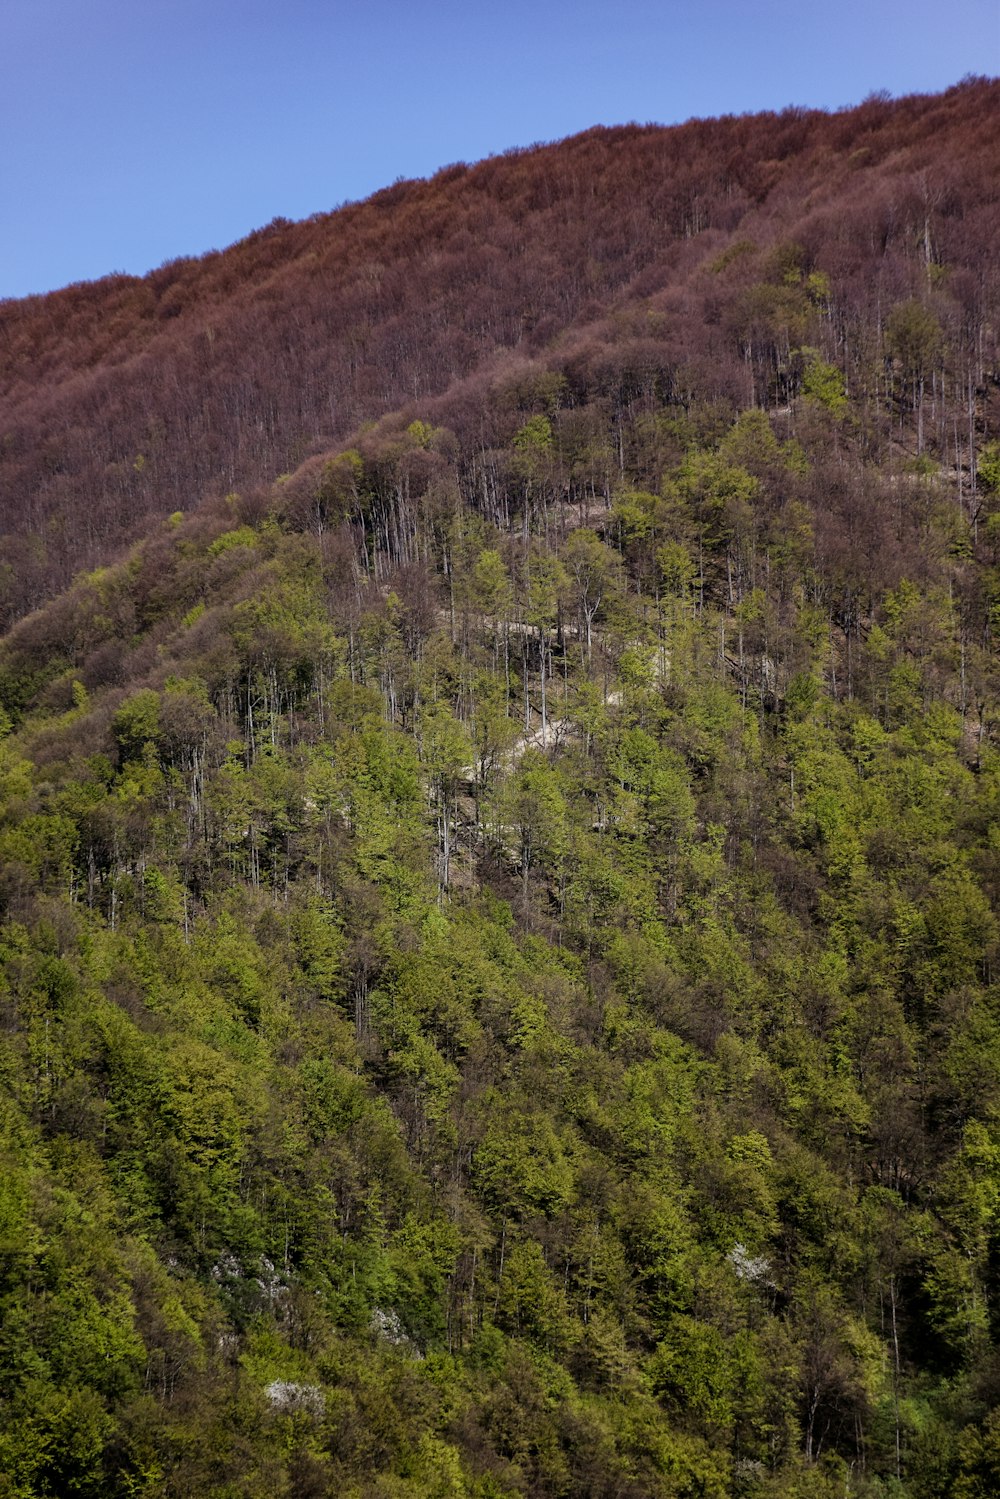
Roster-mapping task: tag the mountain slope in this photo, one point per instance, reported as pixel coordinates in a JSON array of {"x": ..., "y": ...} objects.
[
  {"x": 499, "y": 924},
  {"x": 128, "y": 399}
]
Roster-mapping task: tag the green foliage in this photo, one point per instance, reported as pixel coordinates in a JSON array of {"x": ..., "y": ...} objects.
[
  {"x": 510, "y": 1008},
  {"x": 534, "y": 437},
  {"x": 988, "y": 466},
  {"x": 243, "y": 536},
  {"x": 913, "y": 336},
  {"x": 824, "y": 383}
]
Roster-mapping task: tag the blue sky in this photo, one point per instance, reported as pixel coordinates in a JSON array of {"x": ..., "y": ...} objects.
[{"x": 134, "y": 131}]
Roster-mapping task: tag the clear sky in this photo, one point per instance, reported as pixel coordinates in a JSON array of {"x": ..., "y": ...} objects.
[{"x": 134, "y": 131}]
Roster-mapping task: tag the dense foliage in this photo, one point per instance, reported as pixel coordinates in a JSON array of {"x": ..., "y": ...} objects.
[
  {"x": 498, "y": 963},
  {"x": 647, "y": 257}
]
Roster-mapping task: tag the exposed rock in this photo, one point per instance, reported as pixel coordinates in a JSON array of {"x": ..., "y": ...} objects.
[{"x": 287, "y": 1395}]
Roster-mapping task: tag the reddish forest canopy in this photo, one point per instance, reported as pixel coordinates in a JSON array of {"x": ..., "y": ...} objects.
[{"x": 641, "y": 260}]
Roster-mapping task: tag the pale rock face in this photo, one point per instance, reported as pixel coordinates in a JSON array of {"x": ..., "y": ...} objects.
[
  {"x": 385, "y": 1324},
  {"x": 270, "y": 1281},
  {"x": 286, "y": 1395},
  {"x": 753, "y": 1268},
  {"x": 226, "y": 1267}
]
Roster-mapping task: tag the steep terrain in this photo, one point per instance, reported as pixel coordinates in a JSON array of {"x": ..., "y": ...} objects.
[
  {"x": 654, "y": 254},
  {"x": 500, "y": 875}
]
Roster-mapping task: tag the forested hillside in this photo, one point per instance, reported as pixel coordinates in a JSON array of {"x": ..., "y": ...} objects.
[
  {"x": 498, "y": 963},
  {"x": 650, "y": 259}
]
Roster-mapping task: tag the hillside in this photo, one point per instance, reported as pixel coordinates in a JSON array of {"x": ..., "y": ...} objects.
[
  {"x": 499, "y": 868},
  {"x": 655, "y": 257}
]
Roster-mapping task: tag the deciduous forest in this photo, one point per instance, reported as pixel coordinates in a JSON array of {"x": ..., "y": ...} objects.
[{"x": 500, "y": 849}]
